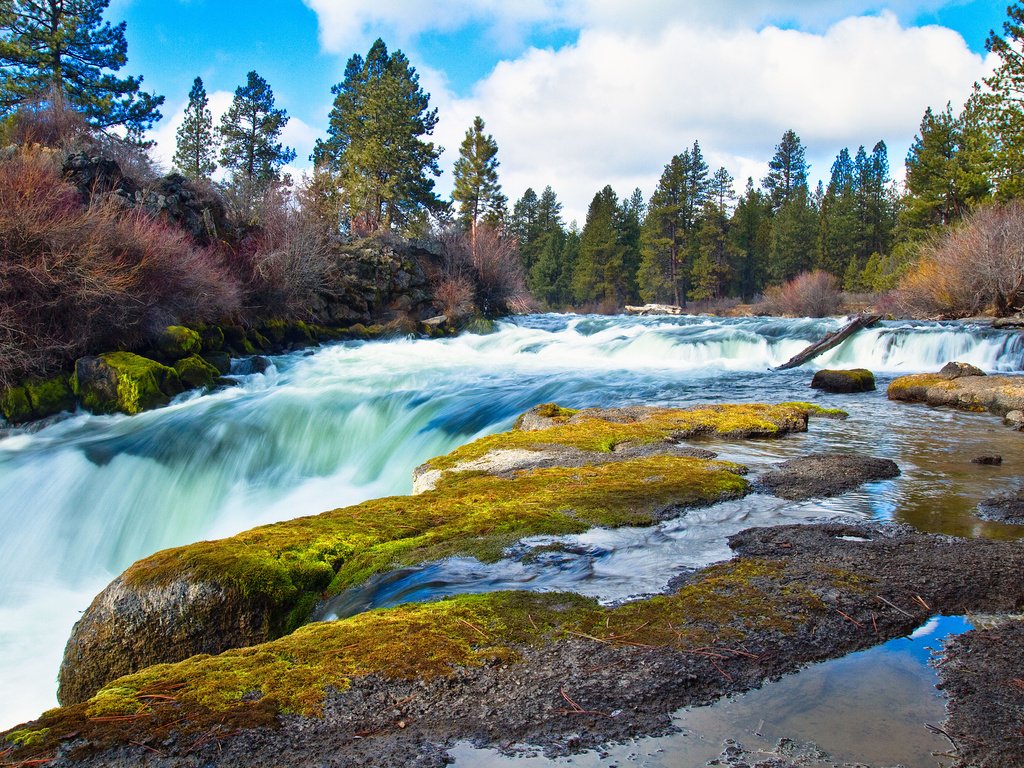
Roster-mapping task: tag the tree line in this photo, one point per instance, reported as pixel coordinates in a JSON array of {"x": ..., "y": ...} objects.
[{"x": 695, "y": 238}]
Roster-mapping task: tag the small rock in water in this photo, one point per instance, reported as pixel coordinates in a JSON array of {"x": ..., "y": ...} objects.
[
  {"x": 960, "y": 370},
  {"x": 992, "y": 460},
  {"x": 842, "y": 382},
  {"x": 824, "y": 474},
  {"x": 1015, "y": 419}
]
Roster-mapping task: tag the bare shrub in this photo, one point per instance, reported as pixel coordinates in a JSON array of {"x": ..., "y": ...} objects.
[
  {"x": 974, "y": 267},
  {"x": 454, "y": 296},
  {"x": 809, "y": 294},
  {"x": 44, "y": 123},
  {"x": 74, "y": 279},
  {"x": 491, "y": 262}
]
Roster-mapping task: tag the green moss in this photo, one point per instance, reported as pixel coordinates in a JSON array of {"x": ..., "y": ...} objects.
[
  {"x": 50, "y": 396},
  {"x": 470, "y": 514},
  {"x": 593, "y": 433},
  {"x": 177, "y": 341},
  {"x": 27, "y": 737},
  {"x": 915, "y": 387},
  {"x": 195, "y": 372},
  {"x": 141, "y": 384},
  {"x": 15, "y": 405},
  {"x": 212, "y": 338},
  {"x": 725, "y": 605}
]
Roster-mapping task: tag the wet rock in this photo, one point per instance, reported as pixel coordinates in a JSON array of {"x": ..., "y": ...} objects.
[
  {"x": 844, "y": 381},
  {"x": 992, "y": 460},
  {"x": 824, "y": 474},
  {"x": 980, "y": 675},
  {"x": 194, "y": 372},
  {"x": 123, "y": 382},
  {"x": 971, "y": 391},
  {"x": 177, "y": 342},
  {"x": 219, "y": 360},
  {"x": 1004, "y": 508},
  {"x": 959, "y": 370},
  {"x": 1015, "y": 419},
  {"x": 250, "y": 365}
]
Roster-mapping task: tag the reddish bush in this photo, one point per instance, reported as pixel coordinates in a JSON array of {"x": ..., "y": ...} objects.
[
  {"x": 491, "y": 262},
  {"x": 76, "y": 279},
  {"x": 971, "y": 268},
  {"x": 809, "y": 294}
]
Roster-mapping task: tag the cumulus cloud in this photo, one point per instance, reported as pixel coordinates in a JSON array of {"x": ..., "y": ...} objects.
[{"x": 614, "y": 107}]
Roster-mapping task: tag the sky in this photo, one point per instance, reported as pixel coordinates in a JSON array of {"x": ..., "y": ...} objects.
[{"x": 583, "y": 93}]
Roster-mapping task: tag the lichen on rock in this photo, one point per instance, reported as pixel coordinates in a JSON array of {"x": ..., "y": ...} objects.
[{"x": 123, "y": 382}]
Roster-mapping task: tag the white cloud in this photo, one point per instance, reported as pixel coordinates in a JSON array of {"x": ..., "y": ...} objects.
[{"x": 614, "y": 108}]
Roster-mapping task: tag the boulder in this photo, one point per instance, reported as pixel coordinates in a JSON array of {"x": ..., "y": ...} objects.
[
  {"x": 952, "y": 371},
  {"x": 824, "y": 474},
  {"x": 212, "y": 338},
  {"x": 123, "y": 382},
  {"x": 1015, "y": 419},
  {"x": 177, "y": 342},
  {"x": 15, "y": 406},
  {"x": 991, "y": 459},
  {"x": 194, "y": 372},
  {"x": 844, "y": 381},
  {"x": 219, "y": 360},
  {"x": 50, "y": 396},
  {"x": 1004, "y": 508},
  {"x": 250, "y": 365}
]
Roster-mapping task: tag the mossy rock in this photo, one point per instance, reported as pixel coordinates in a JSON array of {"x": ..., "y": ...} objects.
[
  {"x": 258, "y": 340},
  {"x": 123, "y": 382},
  {"x": 177, "y": 342},
  {"x": 212, "y": 337},
  {"x": 236, "y": 341},
  {"x": 844, "y": 381},
  {"x": 194, "y": 372},
  {"x": 480, "y": 326},
  {"x": 288, "y": 332},
  {"x": 219, "y": 360},
  {"x": 15, "y": 405},
  {"x": 50, "y": 396}
]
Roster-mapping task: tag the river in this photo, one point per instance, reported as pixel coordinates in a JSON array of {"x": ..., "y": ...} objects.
[{"x": 84, "y": 498}]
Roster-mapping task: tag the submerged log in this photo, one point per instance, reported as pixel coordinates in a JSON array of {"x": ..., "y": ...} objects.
[
  {"x": 655, "y": 309},
  {"x": 831, "y": 340}
]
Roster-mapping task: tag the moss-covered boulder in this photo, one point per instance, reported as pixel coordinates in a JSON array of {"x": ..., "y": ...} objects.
[
  {"x": 212, "y": 337},
  {"x": 219, "y": 360},
  {"x": 37, "y": 399},
  {"x": 15, "y": 405},
  {"x": 169, "y": 606},
  {"x": 177, "y": 342},
  {"x": 999, "y": 395},
  {"x": 194, "y": 372},
  {"x": 844, "y": 381},
  {"x": 122, "y": 382}
]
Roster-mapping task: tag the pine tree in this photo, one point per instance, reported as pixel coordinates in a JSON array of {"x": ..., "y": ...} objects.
[
  {"x": 196, "y": 154},
  {"x": 598, "y": 276},
  {"x": 839, "y": 227},
  {"x": 629, "y": 224},
  {"x": 375, "y": 142},
  {"x": 1004, "y": 104},
  {"x": 477, "y": 190},
  {"x": 670, "y": 228},
  {"x": 62, "y": 53},
  {"x": 751, "y": 236},
  {"x": 250, "y": 133},
  {"x": 787, "y": 171},
  {"x": 794, "y": 237}
]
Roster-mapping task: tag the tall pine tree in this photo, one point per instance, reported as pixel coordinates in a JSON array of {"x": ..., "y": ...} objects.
[
  {"x": 376, "y": 144},
  {"x": 750, "y": 232},
  {"x": 1004, "y": 104},
  {"x": 196, "y": 152},
  {"x": 787, "y": 171},
  {"x": 599, "y": 276},
  {"x": 477, "y": 190},
  {"x": 63, "y": 54}
]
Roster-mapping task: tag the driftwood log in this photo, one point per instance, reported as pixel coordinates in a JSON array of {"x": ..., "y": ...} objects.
[
  {"x": 655, "y": 309},
  {"x": 831, "y": 340}
]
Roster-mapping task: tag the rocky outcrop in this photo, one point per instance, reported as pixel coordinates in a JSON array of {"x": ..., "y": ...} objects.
[
  {"x": 281, "y": 571},
  {"x": 959, "y": 385},
  {"x": 555, "y": 670},
  {"x": 844, "y": 381},
  {"x": 1004, "y": 508},
  {"x": 824, "y": 474}
]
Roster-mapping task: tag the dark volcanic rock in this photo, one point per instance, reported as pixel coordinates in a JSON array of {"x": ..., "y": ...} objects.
[
  {"x": 982, "y": 673},
  {"x": 841, "y": 382},
  {"x": 959, "y": 370},
  {"x": 1008, "y": 508},
  {"x": 824, "y": 474},
  {"x": 990, "y": 459}
]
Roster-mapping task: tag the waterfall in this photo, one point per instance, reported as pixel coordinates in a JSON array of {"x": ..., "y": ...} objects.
[{"x": 84, "y": 498}]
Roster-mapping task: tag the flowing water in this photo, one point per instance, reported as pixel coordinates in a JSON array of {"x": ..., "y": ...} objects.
[{"x": 82, "y": 499}]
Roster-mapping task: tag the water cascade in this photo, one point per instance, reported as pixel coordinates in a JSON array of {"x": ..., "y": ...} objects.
[{"x": 85, "y": 497}]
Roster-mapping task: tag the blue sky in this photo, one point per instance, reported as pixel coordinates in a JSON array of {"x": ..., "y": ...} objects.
[{"x": 580, "y": 93}]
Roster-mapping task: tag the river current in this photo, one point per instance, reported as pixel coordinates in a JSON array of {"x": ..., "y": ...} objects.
[{"x": 83, "y": 498}]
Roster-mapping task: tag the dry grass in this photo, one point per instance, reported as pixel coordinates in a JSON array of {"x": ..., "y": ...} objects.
[{"x": 810, "y": 294}]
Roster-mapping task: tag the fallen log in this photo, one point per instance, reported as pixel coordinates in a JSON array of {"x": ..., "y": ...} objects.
[
  {"x": 655, "y": 309},
  {"x": 831, "y": 340}
]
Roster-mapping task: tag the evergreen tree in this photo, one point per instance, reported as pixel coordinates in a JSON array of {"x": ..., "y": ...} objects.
[
  {"x": 522, "y": 224},
  {"x": 541, "y": 228},
  {"x": 669, "y": 239},
  {"x": 751, "y": 236},
  {"x": 878, "y": 201},
  {"x": 839, "y": 227},
  {"x": 787, "y": 171},
  {"x": 1004, "y": 104},
  {"x": 944, "y": 178},
  {"x": 196, "y": 154},
  {"x": 794, "y": 237},
  {"x": 598, "y": 276},
  {"x": 375, "y": 143},
  {"x": 629, "y": 225},
  {"x": 62, "y": 53},
  {"x": 477, "y": 190},
  {"x": 250, "y": 131}
]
